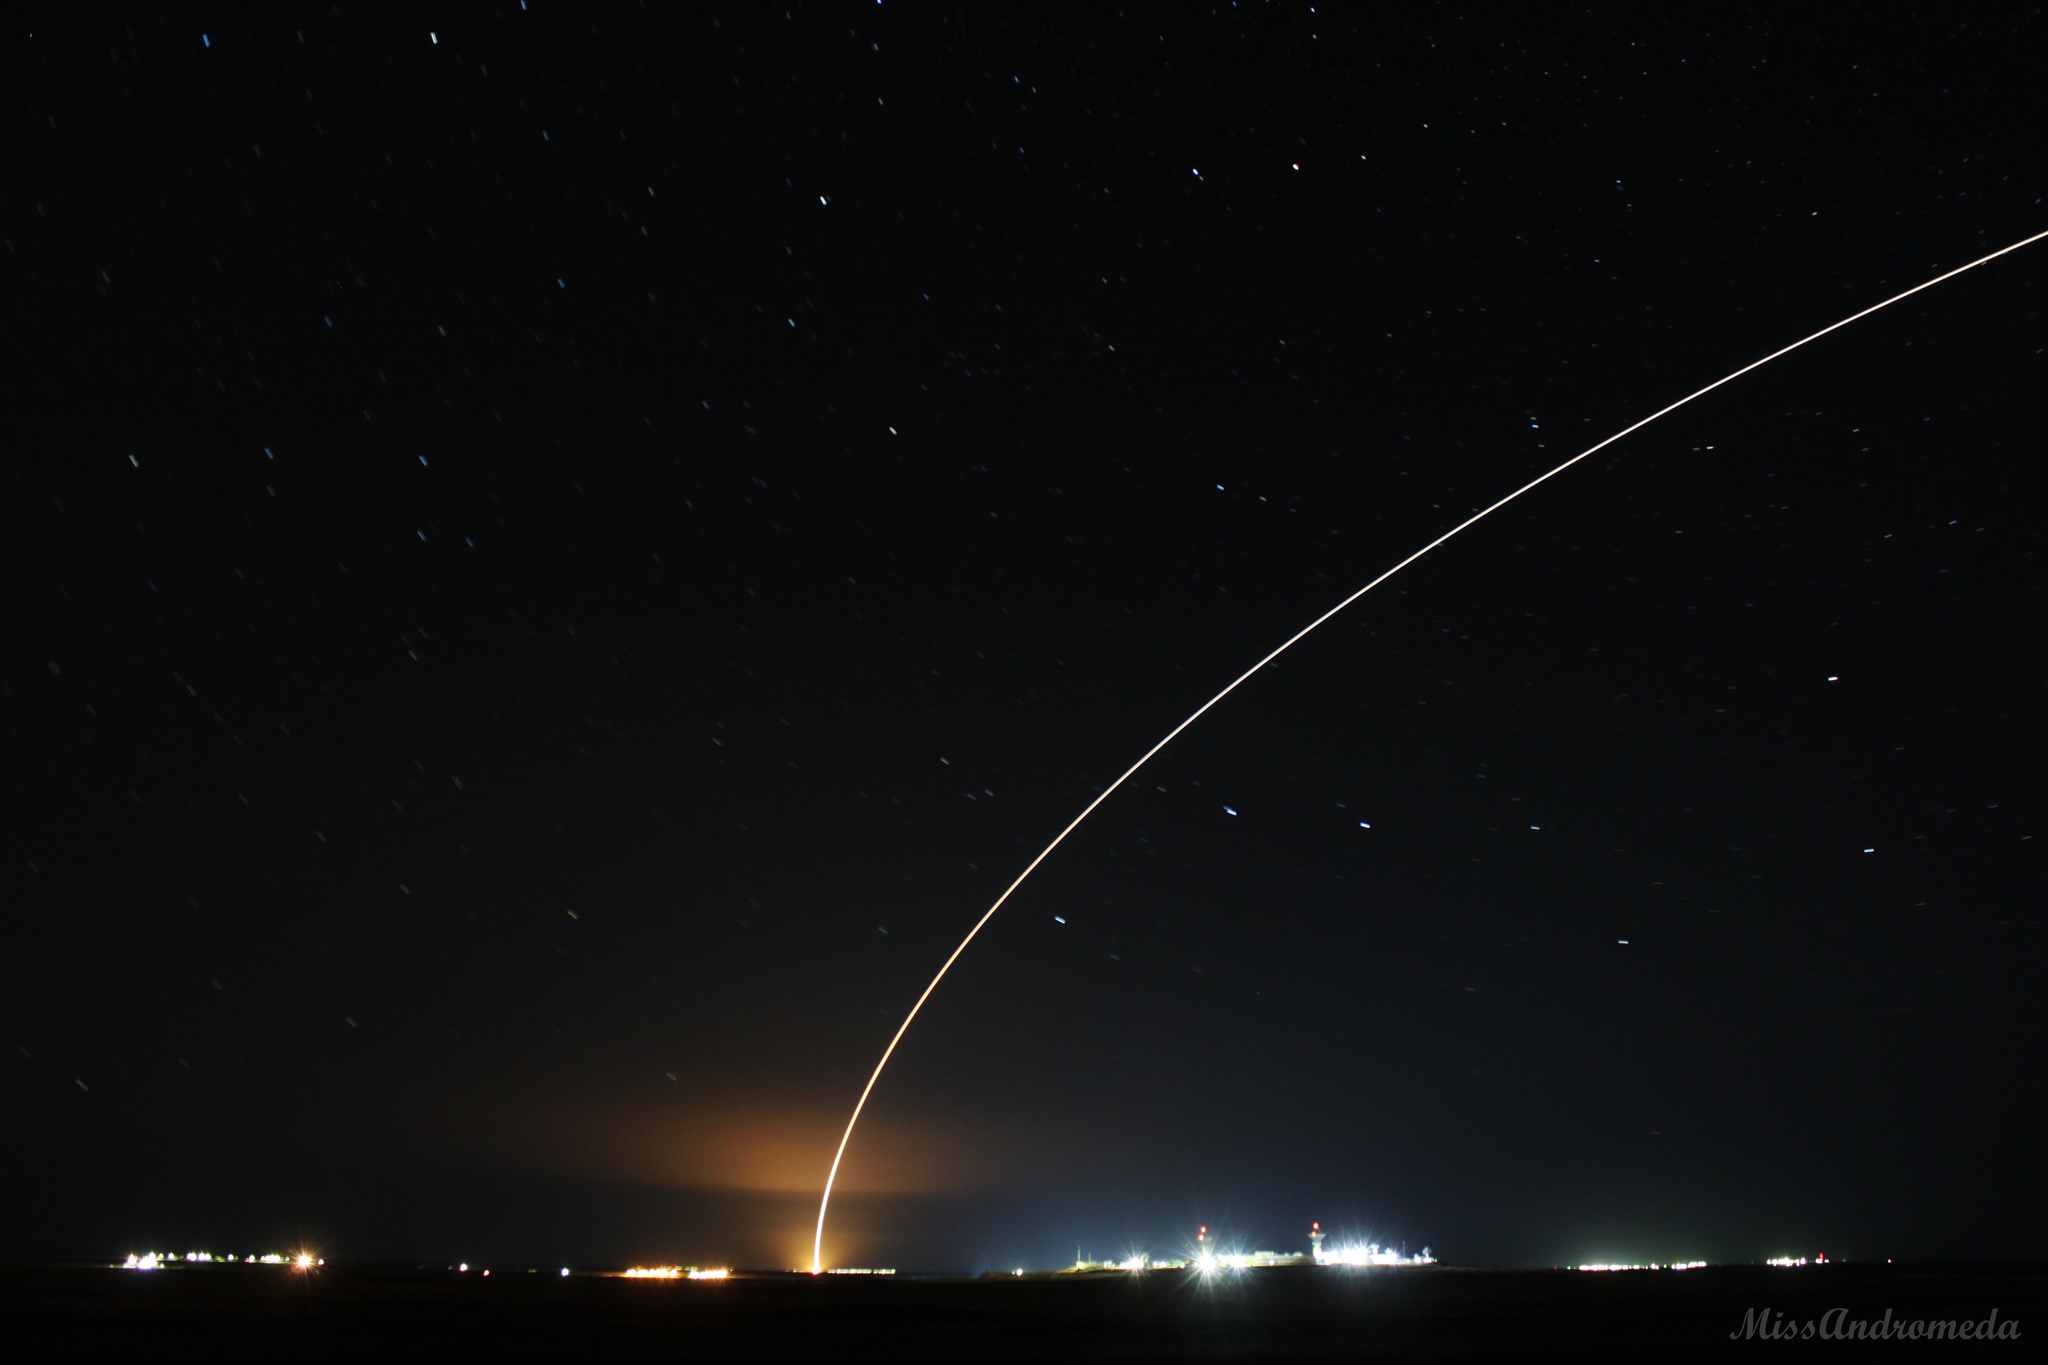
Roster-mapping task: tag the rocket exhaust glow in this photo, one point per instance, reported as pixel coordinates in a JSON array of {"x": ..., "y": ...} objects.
[{"x": 824, "y": 1202}]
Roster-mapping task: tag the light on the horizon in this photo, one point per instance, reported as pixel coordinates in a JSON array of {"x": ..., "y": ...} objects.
[
  {"x": 1369, "y": 1253},
  {"x": 158, "y": 1260}
]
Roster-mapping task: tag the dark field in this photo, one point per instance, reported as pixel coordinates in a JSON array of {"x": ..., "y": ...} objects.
[{"x": 366, "y": 1313}]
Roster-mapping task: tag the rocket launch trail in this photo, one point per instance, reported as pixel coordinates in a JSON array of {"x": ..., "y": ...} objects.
[{"x": 824, "y": 1203}]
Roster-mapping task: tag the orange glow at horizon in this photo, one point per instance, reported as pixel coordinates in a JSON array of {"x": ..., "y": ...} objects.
[{"x": 758, "y": 1151}]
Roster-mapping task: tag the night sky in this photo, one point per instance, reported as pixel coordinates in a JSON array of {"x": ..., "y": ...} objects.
[{"x": 559, "y": 557}]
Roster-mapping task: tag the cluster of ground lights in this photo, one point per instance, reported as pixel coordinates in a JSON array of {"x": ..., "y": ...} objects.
[
  {"x": 1205, "y": 1259},
  {"x": 1782, "y": 1262},
  {"x": 162, "y": 1260},
  {"x": 673, "y": 1272}
]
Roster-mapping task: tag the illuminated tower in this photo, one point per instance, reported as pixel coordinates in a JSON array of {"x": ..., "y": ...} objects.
[
  {"x": 1203, "y": 1250},
  {"x": 1315, "y": 1242}
]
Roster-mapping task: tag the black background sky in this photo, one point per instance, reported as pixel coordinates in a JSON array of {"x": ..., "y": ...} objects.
[{"x": 560, "y": 556}]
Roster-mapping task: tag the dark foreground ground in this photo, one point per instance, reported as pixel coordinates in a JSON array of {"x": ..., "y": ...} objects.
[{"x": 1436, "y": 1314}]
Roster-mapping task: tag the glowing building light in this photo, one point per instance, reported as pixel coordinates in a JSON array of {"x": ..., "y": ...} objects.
[
  {"x": 676, "y": 1272},
  {"x": 157, "y": 1260},
  {"x": 1369, "y": 1254}
]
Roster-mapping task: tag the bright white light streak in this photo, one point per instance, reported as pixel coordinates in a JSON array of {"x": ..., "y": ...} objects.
[{"x": 818, "y": 1241}]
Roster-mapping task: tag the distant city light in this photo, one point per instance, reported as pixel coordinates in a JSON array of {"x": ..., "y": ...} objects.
[
  {"x": 1787, "y": 1262},
  {"x": 1674, "y": 1265},
  {"x": 158, "y": 1260},
  {"x": 1369, "y": 1253},
  {"x": 1205, "y": 1258}
]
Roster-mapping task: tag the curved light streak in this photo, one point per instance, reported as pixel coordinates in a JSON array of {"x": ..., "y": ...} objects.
[{"x": 818, "y": 1242}]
